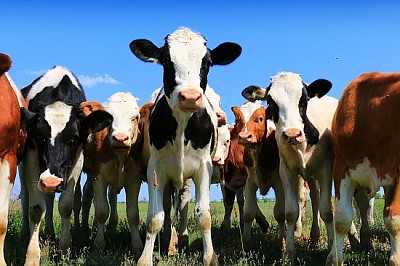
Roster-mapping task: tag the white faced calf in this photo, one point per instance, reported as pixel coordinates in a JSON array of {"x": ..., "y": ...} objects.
[
  {"x": 112, "y": 159},
  {"x": 303, "y": 136},
  {"x": 182, "y": 127}
]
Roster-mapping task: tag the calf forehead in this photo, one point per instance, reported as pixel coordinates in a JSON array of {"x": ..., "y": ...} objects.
[
  {"x": 187, "y": 50},
  {"x": 286, "y": 88},
  {"x": 57, "y": 116},
  {"x": 248, "y": 109},
  {"x": 123, "y": 104},
  {"x": 51, "y": 78}
]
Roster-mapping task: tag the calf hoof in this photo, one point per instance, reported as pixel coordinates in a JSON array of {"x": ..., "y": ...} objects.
[{"x": 211, "y": 260}]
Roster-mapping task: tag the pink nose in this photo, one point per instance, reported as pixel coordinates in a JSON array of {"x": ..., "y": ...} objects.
[
  {"x": 245, "y": 137},
  {"x": 190, "y": 99},
  {"x": 217, "y": 161},
  {"x": 292, "y": 136},
  {"x": 121, "y": 138},
  {"x": 221, "y": 118}
]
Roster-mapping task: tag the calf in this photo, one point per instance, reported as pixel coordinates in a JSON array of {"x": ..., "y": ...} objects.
[
  {"x": 258, "y": 136},
  {"x": 182, "y": 128},
  {"x": 112, "y": 158},
  {"x": 303, "y": 135},
  {"x": 57, "y": 130},
  {"x": 13, "y": 132},
  {"x": 365, "y": 141}
]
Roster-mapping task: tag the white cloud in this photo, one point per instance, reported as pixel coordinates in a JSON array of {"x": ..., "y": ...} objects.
[
  {"x": 91, "y": 81},
  {"x": 85, "y": 80}
]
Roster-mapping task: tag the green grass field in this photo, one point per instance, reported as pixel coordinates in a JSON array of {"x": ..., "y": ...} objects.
[{"x": 228, "y": 245}]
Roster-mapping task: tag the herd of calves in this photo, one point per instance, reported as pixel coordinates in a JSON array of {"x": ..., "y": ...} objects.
[{"x": 289, "y": 136}]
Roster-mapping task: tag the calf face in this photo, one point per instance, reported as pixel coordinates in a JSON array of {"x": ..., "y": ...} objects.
[
  {"x": 287, "y": 97},
  {"x": 257, "y": 128},
  {"x": 186, "y": 61},
  {"x": 124, "y": 129},
  {"x": 57, "y": 127}
]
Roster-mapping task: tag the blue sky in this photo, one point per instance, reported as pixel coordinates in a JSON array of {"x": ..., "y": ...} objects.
[{"x": 336, "y": 40}]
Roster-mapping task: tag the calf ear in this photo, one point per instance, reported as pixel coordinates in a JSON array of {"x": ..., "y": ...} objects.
[
  {"x": 145, "y": 50},
  {"x": 91, "y": 106},
  {"x": 96, "y": 121},
  {"x": 318, "y": 88},
  {"x": 253, "y": 93},
  {"x": 225, "y": 53}
]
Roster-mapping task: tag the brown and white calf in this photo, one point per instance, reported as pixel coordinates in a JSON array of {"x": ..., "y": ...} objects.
[
  {"x": 182, "y": 128},
  {"x": 53, "y": 160},
  {"x": 365, "y": 141},
  {"x": 12, "y": 142},
  {"x": 112, "y": 159},
  {"x": 303, "y": 118},
  {"x": 258, "y": 136}
]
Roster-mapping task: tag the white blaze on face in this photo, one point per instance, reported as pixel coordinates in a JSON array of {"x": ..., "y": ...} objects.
[
  {"x": 51, "y": 78},
  {"x": 214, "y": 99},
  {"x": 57, "y": 116},
  {"x": 248, "y": 109},
  {"x": 187, "y": 50},
  {"x": 223, "y": 143},
  {"x": 286, "y": 90},
  {"x": 123, "y": 107}
]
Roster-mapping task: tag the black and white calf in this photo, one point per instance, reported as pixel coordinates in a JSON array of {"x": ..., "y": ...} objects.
[
  {"x": 302, "y": 115},
  {"x": 57, "y": 130},
  {"x": 182, "y": 128}
]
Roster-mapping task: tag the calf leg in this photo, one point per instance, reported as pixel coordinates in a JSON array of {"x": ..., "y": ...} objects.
[
  {"x": 202, "y": 213},
  {"x": 155, "y": 213},
  {"x": 87, "y": 199},
  {"x": 363, "y": 205},
  {"x": 240, "y": 203},
  {"x": 391, "y": 217},
  {"x": 101, "y": 212},
  {"x": 49, "y": 225},
  {"x": 77, "y": 205},
  {"x": 132, "y": 213},
  {"x": 35, "y": 211},
  {"x": 229, "y": 199},
  {"x": 7, "y": 173},
  {"x": 290, "y": 187},
  {"x": 343, "y": 220},
  {"x": 183, "y": 208},
  {"x": 112, "y": 200},
  {"x": 250, "y": 209},
  {"x": 315, "y": 200}
]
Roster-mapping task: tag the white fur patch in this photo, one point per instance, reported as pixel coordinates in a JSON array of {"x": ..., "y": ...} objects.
[
  {"x": 366, "y": 176},
  {"x": 187, "y": 50},
  {"x": 223, "y": 143},
  {"x": 123, "y": 107},
  {"x": 4, "y": 175},
  {"x": 52, "y": 78},
  {"x": 214, "y": 99},
  {"x": 57, "y": 115},
  {"x": 16, "y": 90},
  {"x": 286, "y": 90},
  {"x": 248, "y": 109}
]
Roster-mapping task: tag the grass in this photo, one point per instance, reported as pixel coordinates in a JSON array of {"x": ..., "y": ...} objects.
[{"x": 228, "y": 245}]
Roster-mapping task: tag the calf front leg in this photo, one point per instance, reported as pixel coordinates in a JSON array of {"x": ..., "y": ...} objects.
[
  {"x": 155, "y": 213},
  {"x": 202, "y": 213}
]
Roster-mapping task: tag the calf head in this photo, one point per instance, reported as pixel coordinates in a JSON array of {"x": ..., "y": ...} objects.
[
  {"x": 186, "y": 61},
  {"x": 58, "y": 131},
  {"x": 223, "y": 143},
  {"x": 124, "y": 130},
  {"x": 257, "y": 128},
  {"x": 215, "y": 101},
  {"x": 287, "y": 97}
]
